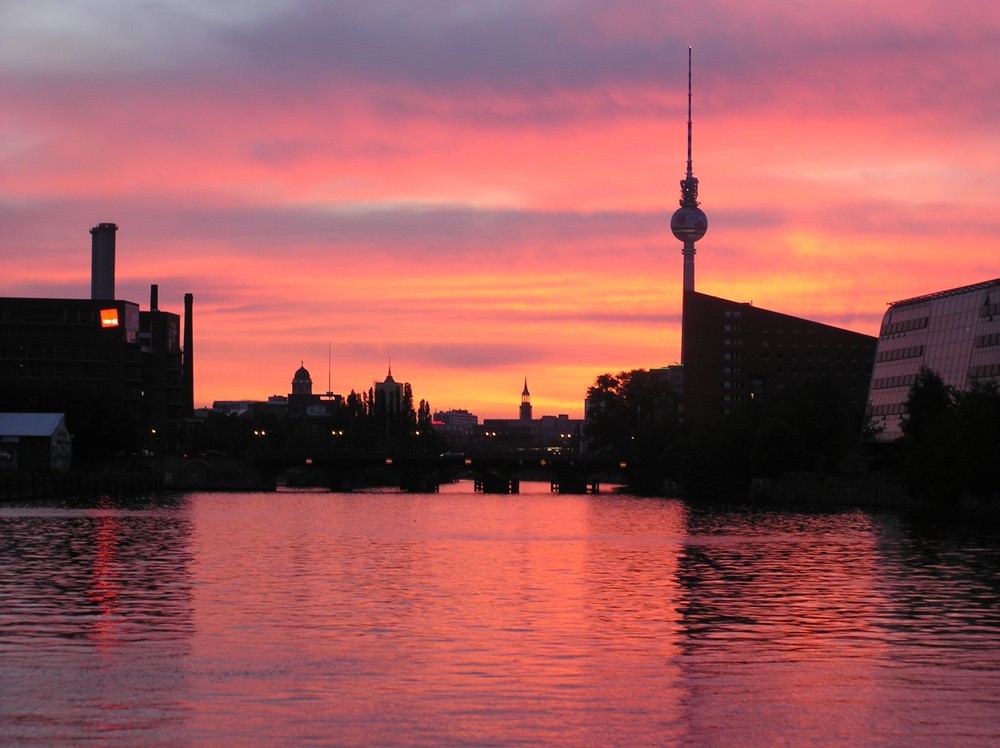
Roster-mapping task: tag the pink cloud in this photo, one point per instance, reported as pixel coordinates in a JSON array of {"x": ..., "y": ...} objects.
[{"x": 483, "y": 192}]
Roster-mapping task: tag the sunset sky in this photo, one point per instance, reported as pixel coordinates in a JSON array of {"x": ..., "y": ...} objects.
[{"x": 481, "y": 191}]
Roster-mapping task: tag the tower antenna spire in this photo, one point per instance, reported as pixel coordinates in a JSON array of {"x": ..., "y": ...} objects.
[
  {"x": 689, "y": 222},
  {"x": 690, "y": 172}
]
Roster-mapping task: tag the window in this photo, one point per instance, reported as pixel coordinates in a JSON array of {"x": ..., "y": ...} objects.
[{"x": 906, "y": 325}]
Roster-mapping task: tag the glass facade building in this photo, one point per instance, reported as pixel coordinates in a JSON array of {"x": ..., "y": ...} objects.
[{"x": 954, "y": 333}]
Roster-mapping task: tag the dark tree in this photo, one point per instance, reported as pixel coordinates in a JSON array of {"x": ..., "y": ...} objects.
[
  {"x": 633, "y": 416},
  {"x": 978, "y": 414},
  {"x": 822, "y": 429},
  {"x": 221, "y": 432},
  {"x": 776, "y": 449},
  {"x": 809, "y": 428},
  {"x": 424, "y": 419},
  {"x": 714, "y": 460},
  {"x": 927, "y": 407},
  {"x": 951, "y": 439},
  {"x": 928, "y": 433}
]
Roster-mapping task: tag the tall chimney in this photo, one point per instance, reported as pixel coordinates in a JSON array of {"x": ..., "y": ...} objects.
[
  {"x": 154, "y": 297},
  {"x": 187, "y": 372},
  {"x": 102, "y": 261}
]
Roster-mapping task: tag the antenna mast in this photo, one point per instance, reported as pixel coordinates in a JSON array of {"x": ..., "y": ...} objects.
[
  {"x": 690, "y": 173},
  {"x": 689, "y": 222}
]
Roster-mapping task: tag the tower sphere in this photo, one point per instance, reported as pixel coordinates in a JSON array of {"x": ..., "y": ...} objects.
[{"x": 689, "y": 223}]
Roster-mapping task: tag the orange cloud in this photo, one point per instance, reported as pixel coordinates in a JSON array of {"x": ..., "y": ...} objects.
[{"x": 482, "y": 202}]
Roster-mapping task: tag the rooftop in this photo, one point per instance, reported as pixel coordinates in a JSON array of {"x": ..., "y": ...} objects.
[{"x": 950, "y": 292}]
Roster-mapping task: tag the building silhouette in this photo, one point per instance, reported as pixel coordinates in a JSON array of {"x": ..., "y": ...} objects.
[
  {"x": 457, "y": 427},
  {"x": 388, "y": 396},
  {"x": 738, "y": 353},
  {"x": 301, "y": 402},
  {"x": 301, "y": 398},
  {"x": 168, "y": 385},
  {"x": 546, "y": 433},
  {"x": 100, "y": 356},
  {"x": 954, "y": 333},
  {"x": 34, "y": 441}
]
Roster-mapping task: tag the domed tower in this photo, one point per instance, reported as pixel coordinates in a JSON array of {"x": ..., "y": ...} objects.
[
  {"x": 525, "y": 402},
  {"x": 302, "y": 383},
  {"x": 689, "y": 222}
]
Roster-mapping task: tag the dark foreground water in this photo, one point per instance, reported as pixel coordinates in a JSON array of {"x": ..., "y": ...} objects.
[{"x": 462, "y": 619}]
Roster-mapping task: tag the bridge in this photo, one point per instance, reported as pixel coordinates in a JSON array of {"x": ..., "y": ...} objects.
[{"x": 415, "y": 473}]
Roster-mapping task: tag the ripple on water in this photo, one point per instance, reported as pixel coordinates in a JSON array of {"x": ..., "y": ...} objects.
[{"x": 462, "y": 618}]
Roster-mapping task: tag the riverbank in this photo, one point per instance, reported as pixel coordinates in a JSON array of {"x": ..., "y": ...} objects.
[
  {"x": 20, "y": 485},
  {"x": 144, "y": 475},
  {"x": 876, "y": 490}
]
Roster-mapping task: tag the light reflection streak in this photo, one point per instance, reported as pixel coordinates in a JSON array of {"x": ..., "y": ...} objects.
[{"x": 106, "y": 584}]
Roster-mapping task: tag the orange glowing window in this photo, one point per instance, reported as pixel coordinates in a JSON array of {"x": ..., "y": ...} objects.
[{"x": 109, "y": 318}]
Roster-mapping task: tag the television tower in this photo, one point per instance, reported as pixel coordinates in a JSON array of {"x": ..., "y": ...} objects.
[{"x": 689, "y": 222}]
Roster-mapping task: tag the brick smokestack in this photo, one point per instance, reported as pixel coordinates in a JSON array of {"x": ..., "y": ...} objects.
[
  {"x": 154, "y": 297},
  {"x": 102, "y": 261},
  {"x": 187, "y": 371}
]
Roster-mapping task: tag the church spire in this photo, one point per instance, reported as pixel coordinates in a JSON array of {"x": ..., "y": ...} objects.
[{"x": 525, "y": 402}]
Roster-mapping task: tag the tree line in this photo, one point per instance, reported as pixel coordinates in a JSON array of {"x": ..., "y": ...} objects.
[{"x": 950, "y": 444}]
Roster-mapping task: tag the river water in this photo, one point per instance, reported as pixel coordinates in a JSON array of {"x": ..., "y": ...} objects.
[{"x": 463, "y": 619}]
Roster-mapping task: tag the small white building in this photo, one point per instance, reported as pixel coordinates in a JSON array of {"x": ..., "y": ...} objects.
[{"x": 34, "y": 441}]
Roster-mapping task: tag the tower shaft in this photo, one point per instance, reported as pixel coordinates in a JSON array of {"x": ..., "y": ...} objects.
[{"x": 688, "y": 252}]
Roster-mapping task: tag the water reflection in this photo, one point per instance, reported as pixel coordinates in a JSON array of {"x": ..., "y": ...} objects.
[
  {"x": 92, "y": 595},
  {"x": 366, "y": 619},
  {"x": 849, "y": 626}
]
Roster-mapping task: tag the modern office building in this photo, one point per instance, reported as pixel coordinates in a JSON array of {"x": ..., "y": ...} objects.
[
  {"x": 954, "y": 333},
  {"x": 737, "y": 353}
]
